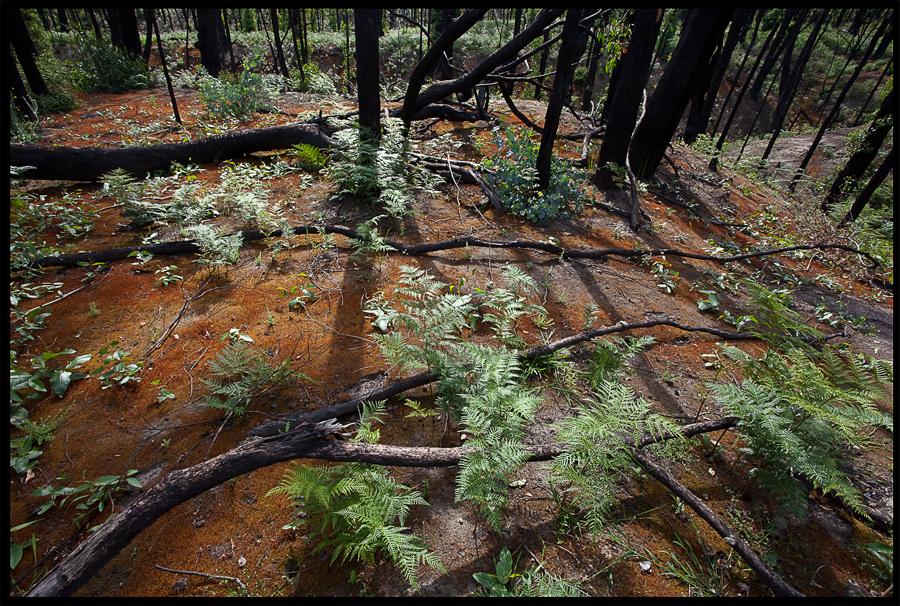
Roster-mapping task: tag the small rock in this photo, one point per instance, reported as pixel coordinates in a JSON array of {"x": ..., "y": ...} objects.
[
  {"x": 241, "y": 561},
  {"x": 180, "y": 584},
  {"x": 743, "y": 587},
  {"x": 645, "y": 567}
]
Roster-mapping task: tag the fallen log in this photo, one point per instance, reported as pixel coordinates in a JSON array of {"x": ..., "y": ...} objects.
[
  {"x": 305, "y": 441},
  {"x": 90, "y": 163}
]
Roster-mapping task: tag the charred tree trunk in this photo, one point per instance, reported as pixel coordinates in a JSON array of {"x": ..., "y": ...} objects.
[
  {"x": 25, "y": 51},
  {"x": 740, "y": 71},
  {"x": 279, "y": 50},
  {"x": 123, "y": 30},
  {"x": 505, "y": 54},
  {"x": 211, "y": 40},
  {"x": 781, "y": 40},
  {"x": 703, "y": 31},
  {"x": 420, "y": 72},
  {"x": 787, "y": 90},
  {"x": 148, "y": 44},
  {"x": 635, "y": 71},
  {"x": 859, "y": 162},
  {"x": 698, "y": 125},
  {"x": 367, "y": 22},
  {"x": 832, "y": 116},
  {"x": 19, "y": 93},
  {"x": 162, "y": 61},
  {"x": 90, "y": 163},
  {"x": 572, "y": 47},
  {"x": 866, "y": 194}
]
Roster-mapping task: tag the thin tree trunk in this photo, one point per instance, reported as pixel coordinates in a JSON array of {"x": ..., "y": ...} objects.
[
  {"x": 367, "y": 23},
  {"x": 837, "y": 104},
  {"x": 280, "y": 63},
  {"x": 162, "y": 60},
  {"x": 862, "y": 110},
  {"x": 866, "y": 194},
  {"x": 740, "y": 71},
  {"x": 572, "y": 46}
]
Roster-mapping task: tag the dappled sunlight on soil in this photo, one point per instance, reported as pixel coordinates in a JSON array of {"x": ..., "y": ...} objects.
[{"x": 235, "y": 530}]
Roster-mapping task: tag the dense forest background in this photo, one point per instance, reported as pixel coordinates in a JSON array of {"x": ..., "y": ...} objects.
[{"x": 737, "y": 139}]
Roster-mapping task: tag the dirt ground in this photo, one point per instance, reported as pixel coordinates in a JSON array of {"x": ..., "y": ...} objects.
[{"x": 236, "y": 530}]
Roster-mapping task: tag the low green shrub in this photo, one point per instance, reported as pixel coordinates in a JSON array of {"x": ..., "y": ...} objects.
[
  {"x": 103, "y": 68},
  {"x": 516, "y": 181}
]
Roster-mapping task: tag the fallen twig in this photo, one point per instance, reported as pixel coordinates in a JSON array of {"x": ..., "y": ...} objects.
[{"x": 207, "y": 575}]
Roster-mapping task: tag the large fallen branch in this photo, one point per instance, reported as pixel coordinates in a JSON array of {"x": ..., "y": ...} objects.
[
  {"x": 188, "y": 246},
  {"x": 306, "y": 441},
  {"x": 90, "y": 163}
]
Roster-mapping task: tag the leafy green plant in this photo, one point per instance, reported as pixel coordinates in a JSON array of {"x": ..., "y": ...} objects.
[
  {"x": 377, "y": 172},
  {"x": 217, "y": 249},
  {"x": 359, "y": 509},
  {"x": 104, "y": 68},
  {"x": 595, "y": 460},
  {"x": 99, "y": 493},
  {"x": 610, "y": 359},
  {"x": 531, "y": 583},
  {"x": 116, "y": 367},
  {"x": 310, "y": 157},
  {"x": 93, "y": 311},
  {"x": 241, "y": 373},
  {"x": 706, "y": 574},
  {"x": 168, "y": 277},
  {"x": 668, "y": 279},
  {"x": 516, "y": 181},
  {"x": 802, "y": 409},
  {"x": 236, "y": 96}
]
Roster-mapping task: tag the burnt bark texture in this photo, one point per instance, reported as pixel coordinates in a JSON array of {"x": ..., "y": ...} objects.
[
  {"x": 780, "y": 41},
  {"x": 453, "y": 31},
  {"x": 832, "y": 116},
  {"x": 123, "y": 29},
  {"x": 572, "y": 47},
  {"x": 90, "y": 163},
  {"x": 506, "y": 53},
  {"x": 703, "y": 31},
  {"x": 25, "y": 51},
  {"x": 859, "y": 162},
  {"x": 623, "y": 107},
  {"x": 367, "y": 23},
  {"x": 699, "y": 118},
  {"x": 17, "y": 90},
  {"x": 790, "y": 82},
  {"x": 211, "y": 40},
  {"x": 866, "y": 194},
  {"x": 280, "y": 63}
]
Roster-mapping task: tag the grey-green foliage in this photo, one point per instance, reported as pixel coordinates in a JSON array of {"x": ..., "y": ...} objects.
[
  {"x": 610, "y": 358},
  {"x": 479, "y": 385},
  {"x": 240, "y": 373},
  {"x": 506, "y": 582},
  {"x": 217, "y": 249},
  {"x": 516, "y": 181},
  {"x": 801, "y": 411},
  {"x": 595, "y": 457},
  {"x": 359, "y": 510},
  {"x": 378, "y": 172}
]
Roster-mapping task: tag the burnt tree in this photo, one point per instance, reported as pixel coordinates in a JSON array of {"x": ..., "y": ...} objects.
[
  {"x": 367, "y": 23},
  {"x": 572, "y": 47},
  {"x": 25, "y": 52},
  {"x": 832, "y": 116},
  {"x": 866, "y": 194},
  {"x": 703, "y": 31},
  {"x": 211, "y": 40},
  {"x": 859, "y": 162},
  {"x": 634, "y": 70},
  {"x": 123, "y": 30}
]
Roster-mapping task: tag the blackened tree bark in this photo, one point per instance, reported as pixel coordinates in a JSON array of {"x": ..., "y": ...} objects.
[
  {"x": 634, "y": 70},
  {"x": 453, "y": 31},
  {"x": 97, "y": 31},
  {"x": 44, "y": 21},
  {"x": 231, "y": 63},
  {"x": 499, "y": 57},
  {"x": 63, "y": 20},
  {"x": 703, "y": 30},
  {"x": 859, "y": 162},
  {"x": 700, "y": 120},
  {"x": 545, "y": 55},
  {"x": 862, "y": 109},
  {"x": 211, "y": 40},
  {"x": 279, "y": 51},
  {"x": 367, "y": 23},
  {"x": 790, "y": 82},
  {"x": 572, "y": 47},
  {"x": 832, "y": 116},
  {"x": 145, "y": 56},
  {"x": 740, "y": 69},
  {"x": 18, "y": 91},
  {"x": 25, "y": 52},
  {"x": 123, "y": 29},
  {"x": 781, "y": 40},
  {"x": 162, "y": 60},
  {"x": 443, "y": 69},
  {"x": 866, "y": 194}
]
